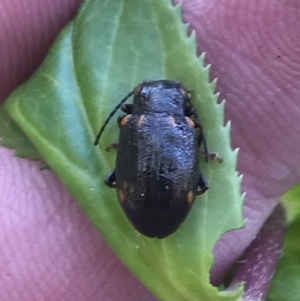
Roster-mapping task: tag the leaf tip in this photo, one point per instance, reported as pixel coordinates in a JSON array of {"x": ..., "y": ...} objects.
[
  {"x": 202, "y": 56},
  {"x": 228, "y": 124},
  {"x": 223, "y": 101}
]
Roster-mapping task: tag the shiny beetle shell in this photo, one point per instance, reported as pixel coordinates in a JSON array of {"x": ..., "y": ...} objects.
[{"x": 157, "y": 172}]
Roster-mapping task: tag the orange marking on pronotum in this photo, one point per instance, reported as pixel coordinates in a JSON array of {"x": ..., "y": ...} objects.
[{"x": 125, "y": 120}]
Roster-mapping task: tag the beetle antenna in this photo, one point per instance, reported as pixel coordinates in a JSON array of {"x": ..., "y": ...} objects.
[
  {"x": 202, "y": 135},
  {"x": 111, "y": 115}
]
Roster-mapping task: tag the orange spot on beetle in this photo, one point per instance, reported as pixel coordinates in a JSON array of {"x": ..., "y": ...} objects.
[
  {"x": 190, "y": 197},
  {"x": 190, "y": 122},
  {"x": 124, "y": 120},
  {"x": 121, "y": 195}
]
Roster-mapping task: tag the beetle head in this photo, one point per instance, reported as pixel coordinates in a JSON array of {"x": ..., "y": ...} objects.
[{"x": 160, "y": 96}]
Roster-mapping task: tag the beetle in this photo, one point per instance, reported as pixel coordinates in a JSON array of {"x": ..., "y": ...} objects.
[{"x": 157, "y": 174}]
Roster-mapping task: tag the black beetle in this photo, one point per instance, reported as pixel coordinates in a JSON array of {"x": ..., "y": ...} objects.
[{"x": 157, "y": 171}]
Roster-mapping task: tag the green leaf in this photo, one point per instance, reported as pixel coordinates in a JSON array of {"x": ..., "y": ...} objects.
[
  {"x": 286, "y": 281},
  {"x": 291, "y": 202},
  {"x": 108, "y": 49},
  {"x": 13, "y": 137}
]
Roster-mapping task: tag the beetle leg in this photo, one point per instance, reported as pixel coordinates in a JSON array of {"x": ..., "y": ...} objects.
[
  {"x": 127, "y": 108},
  {"x": 111, "y": 179},
  {"x": 191, "y": 111},
  {"x": 201, "y": 139},
  {"x": 203, "y": 185},
  {"x": 211, "y": 156},
  {"x": 111, "y": 147},
  {"x": 188, "y": 112}
]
